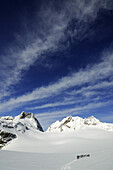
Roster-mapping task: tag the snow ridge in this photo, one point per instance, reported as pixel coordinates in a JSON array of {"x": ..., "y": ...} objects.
[
  {"x": 11, "y": 127},
  {"x": 22, "y": 122},
  {"x": 76, "y": 123}
]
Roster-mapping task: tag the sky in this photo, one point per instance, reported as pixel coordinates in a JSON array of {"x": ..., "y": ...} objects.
[{"x": 56, "y": 59}]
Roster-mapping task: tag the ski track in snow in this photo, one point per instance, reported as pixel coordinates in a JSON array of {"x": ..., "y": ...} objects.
[{"x": 68, "y": 165}]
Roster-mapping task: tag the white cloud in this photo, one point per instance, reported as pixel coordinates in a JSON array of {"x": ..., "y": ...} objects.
[
  {"x": 91, "y": 75},
  {"x": 45, "y": 35},
  {"x": 48, "y": 117},
  {"x": 51, "y": 105},
  {"x": 88, "y": 91},
  {"x": 71, "y": 111},
  {"x": 107, "y": 118},
  {"x": 92, "y": 89}
]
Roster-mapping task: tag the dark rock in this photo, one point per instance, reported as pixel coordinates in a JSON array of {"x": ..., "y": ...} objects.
[{"x": 5, "y": 137}]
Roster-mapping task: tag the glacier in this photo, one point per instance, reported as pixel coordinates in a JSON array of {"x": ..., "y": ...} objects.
[{"x": 58, "y": 147}]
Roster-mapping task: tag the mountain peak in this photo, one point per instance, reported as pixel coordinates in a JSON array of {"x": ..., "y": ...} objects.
[
  {"x": 76, "y": 123},
  {"x": 9, "y": 126},
  {"x": 21, "y": 123},
  {"x": 24, "y": 115},
  {"x": 91, "y": 121}
]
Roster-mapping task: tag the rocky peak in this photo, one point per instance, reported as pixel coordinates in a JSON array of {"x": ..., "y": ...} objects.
[
  {"x": 76, "y": 123},
  {"x": 91, "y": 121},
  {"x": 10, "y": 127},
  {"x": 24, "y": 115},
  {"x": 22, "y": 122}
]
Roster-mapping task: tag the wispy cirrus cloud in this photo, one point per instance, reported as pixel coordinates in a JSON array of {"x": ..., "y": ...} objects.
[
  {"x": 107, "y": 118},
  {"x": 91, "y": 75},
  {"x": 84, "y": 90},
  {"x": 51, "y": 105},
  {"x": 92, "y": 89},
  {"x": 87, "y": 92},
  {"x": 73, "y": 110},
  {"x": 46, "y": 34},
  {"x": 48, "y": 117}
]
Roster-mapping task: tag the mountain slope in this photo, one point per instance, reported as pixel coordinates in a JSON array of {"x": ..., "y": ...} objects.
[
  {"x": 59, "y": 150},
  {"x": 76, "y": 123},
  {"x": 11, "y": 127},
  {"x": 69, "y": 132}
]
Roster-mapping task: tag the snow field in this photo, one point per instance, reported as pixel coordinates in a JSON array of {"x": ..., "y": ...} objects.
[{"x": 58, "y": 151}]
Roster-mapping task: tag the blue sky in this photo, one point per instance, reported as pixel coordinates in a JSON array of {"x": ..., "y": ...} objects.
[{"x": 56, "y": 59}]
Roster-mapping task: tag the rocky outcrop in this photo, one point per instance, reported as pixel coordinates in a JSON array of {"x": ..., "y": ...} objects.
[
  {"x": 11, "y": 126},
  {"x": 76, "y": 123},
  {"x": 5, "y": 137},
  {"x": 29, "y": 120},
  {"x": 22, "y": 122}
]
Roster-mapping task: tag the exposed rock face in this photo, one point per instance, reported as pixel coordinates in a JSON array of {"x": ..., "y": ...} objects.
[
  {"x": 5, "y": 137},
  {"x": 76, "y": 123},
  {"x": 65, "y": 123},
  {"x": 22, "y": 122},
  {"x": 10, "y": 127},
  {"x": 91, "y": 121},
  {"x": 29, "y": 120}
]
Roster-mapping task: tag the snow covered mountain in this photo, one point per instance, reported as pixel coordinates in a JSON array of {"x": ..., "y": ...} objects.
[
  {"x": 34, "y": 149},
  {"x": 76, "y": 123},
  {"x": 9, "y": 126},
  {"x": 25, "y": 127}
]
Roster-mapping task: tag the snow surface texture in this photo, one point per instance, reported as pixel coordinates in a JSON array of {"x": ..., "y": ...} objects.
[
  {"x": 101, "y": 160},
  {"x": 55, "y": 150},
  {"x": 58, "y": 151},
  {"x": 76, "y": 123}
]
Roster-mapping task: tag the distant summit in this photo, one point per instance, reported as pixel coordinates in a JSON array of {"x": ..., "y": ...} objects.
[
  {"x": 11, "y": 126},
  {"x": 26, "y": 124},
  {"x": 76, "y": 123},
  {"x": 28, "y": 120},
  {"x": 22, "y": 122}
]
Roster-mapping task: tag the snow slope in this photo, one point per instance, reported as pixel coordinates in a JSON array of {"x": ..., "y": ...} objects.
[
  {"x": 76, "y": 123},
  {"x": 58, "y": 150},
  {"x": 10, "y": 160},
  {"x": 51, "y": 142},
  {"x": 11, "y": 127}
]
